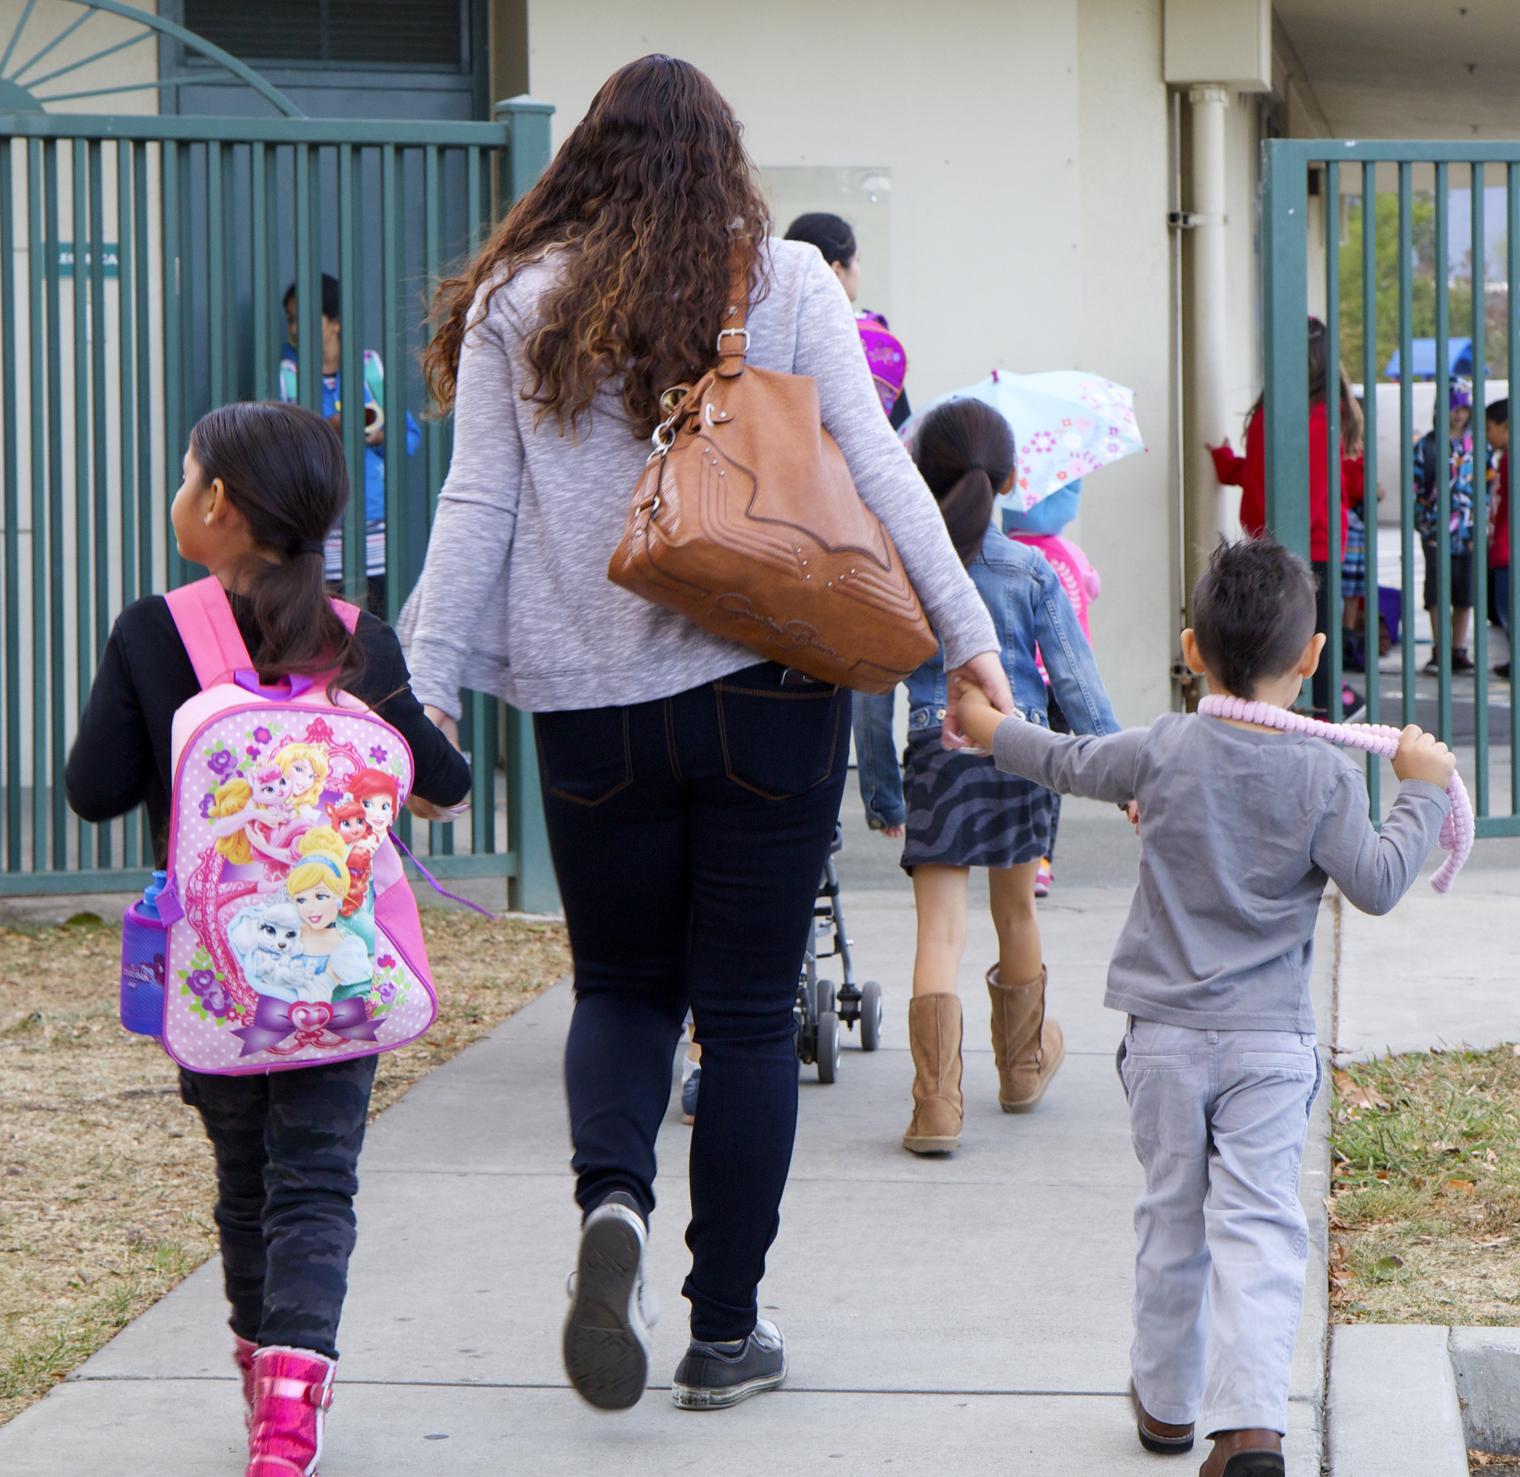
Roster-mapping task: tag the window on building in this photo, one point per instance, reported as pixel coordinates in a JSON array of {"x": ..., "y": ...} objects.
[{"x": 336, "y": 33}]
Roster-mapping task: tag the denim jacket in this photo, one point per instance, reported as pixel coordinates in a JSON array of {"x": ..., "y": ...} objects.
[{"x": 1029, "y": 609}]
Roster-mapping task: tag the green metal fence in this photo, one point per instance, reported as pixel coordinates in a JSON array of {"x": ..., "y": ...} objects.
[
  {"x": 1486, "y": 728},
  {"x": 143, "y": 262}
]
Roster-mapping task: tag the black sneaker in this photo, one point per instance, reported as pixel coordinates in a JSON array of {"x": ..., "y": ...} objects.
[
  {"x": 1460, "y": 661},
  {"x": 713, "y": 1376},
  {"x": 606, "y": 1343},
  {"x": 1502, "y": 670}
]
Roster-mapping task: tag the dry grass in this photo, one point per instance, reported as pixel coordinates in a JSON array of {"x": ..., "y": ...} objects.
[
  {"x": 1425, "y": 1207},
  {"x": 1493, "y": 1466},
  {"x": 105, "y": 1176}
]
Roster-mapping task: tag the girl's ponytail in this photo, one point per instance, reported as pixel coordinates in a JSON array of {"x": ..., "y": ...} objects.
[
  {"x": 284, "y": 470},
  {"x": 967, "y": 510},
  {"x": 964, "y": 449}
]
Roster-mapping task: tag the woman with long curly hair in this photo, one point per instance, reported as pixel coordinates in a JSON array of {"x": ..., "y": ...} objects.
[{"x": 690, "y": 791}]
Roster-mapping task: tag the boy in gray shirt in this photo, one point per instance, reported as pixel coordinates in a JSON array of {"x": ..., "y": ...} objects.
[{"x": 1240, "y": 828}]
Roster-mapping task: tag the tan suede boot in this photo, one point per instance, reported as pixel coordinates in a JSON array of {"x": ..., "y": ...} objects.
[
  {"x": 934, "y": 1033},
  {"x": 1028, "y": 1048}
]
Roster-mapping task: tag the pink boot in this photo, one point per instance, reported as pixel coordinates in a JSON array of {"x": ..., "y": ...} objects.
[
  {"x": 292, "y": 1389},
  {"x": 243, "y": 1351}
]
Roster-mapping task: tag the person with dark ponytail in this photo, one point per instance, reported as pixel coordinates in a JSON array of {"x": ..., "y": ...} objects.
[
  {"x": 262, "y": 486},
  {"x": 962, "y": 812},
  {"x": 875, "y": 760}
]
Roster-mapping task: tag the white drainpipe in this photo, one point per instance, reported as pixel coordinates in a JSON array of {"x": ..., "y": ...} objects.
[{"x": 1207, "y": 349}]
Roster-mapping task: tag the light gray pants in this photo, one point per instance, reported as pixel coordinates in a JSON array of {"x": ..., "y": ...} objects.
[{"x": 1218, "y": 1120}]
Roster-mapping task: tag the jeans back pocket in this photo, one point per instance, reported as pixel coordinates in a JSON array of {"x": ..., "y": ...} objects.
[
  {"x": 585, "y": 754},
  {"x": 780, "y": 738}
]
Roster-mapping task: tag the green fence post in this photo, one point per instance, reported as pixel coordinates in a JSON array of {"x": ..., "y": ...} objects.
[
  {"x": 1285, "y": 334},
  {"x": 1481, "y": 802},
  {"x": 1372, "y": 619},
  {"x": 1331, "y": 656},
  {"x": 531, "y": 888},
  {"x": 528, "y": 150}
]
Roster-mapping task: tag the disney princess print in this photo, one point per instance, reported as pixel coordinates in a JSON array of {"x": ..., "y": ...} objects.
[{"x": 277, "y": 869}]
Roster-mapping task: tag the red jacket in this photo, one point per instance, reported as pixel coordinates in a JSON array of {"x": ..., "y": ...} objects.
[
  {"x": 1249, "y": 473},
  {"x": 1498, "y": 538}
]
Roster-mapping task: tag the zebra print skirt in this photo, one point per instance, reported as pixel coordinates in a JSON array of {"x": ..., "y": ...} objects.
[{"x": 965, "y": 812}]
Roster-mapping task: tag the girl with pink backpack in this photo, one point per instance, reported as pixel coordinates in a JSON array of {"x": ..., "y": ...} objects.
[{"x": 245, "y": 711}]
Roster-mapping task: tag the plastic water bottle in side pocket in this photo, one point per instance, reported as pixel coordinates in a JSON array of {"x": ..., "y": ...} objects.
[{"x": 144, "y": 947}]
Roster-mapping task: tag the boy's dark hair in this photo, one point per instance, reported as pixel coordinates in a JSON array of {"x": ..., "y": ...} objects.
[
  {"x": 1497, "y": 412},
  {"x": 964, "y": 451},
  {"x": 331, "y": 297},
  {"x": 285, "y": 472},
  {"x": 831, "y": 234},
  {"x": 1253, "y": 613}
]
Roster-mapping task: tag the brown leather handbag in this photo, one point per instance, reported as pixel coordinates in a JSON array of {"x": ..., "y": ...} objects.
[{"x": 746, "y": 521}]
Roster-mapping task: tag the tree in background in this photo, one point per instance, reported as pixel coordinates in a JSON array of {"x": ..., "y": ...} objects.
[{"x": 1422, "y": 234}]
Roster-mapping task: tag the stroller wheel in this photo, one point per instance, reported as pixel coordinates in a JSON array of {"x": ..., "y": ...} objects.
[
  {"x": 828, "y": 1047},
  {"x": 825, "y": 998},
  {"x": 870, "y": 1016}
]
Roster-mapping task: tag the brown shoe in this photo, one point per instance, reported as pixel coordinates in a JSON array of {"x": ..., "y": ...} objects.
[
  {"x": 1160, "y": 1436},
  {"x": 934, "y": 1033},
  {"x": 1028, "y": 1048},
  {"x": 1255, "y": 1453}
]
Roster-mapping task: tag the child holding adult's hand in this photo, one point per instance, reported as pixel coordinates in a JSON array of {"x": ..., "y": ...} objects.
[{"x": 1245, "y": 822}]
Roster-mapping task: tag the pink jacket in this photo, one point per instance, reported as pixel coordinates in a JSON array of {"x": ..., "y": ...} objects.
[{"x": 1078, "y": 578}]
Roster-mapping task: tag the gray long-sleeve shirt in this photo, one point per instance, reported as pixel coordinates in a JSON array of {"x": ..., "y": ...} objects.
[
  {"x": 1239, "y": 829},
  {"x": 515, "y": 600}
]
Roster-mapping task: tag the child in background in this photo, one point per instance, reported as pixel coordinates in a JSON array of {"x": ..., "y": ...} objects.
[
  {"x": 961, "y": 813},
  {"x": 262, "y": 486},
  {"x": 1249, "y": 472},
  {"x": 1354, "y": 563},
  {"x": 1496, "y": 422},
  {"x": 875, "y": 756},
  {"x": 1241, "y": 826},
  {"x": 1040, "y": 528},
  {"x": 1459, "y": 449}
]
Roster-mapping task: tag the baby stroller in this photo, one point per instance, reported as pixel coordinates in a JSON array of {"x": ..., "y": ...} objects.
[{"x": 821, "y": 1010}]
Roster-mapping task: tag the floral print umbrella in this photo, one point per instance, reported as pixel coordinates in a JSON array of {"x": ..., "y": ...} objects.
[{"x": 1066, "y": 423}]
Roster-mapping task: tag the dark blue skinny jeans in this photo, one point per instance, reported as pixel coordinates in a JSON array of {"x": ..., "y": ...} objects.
[
  {"x": 287, "y": 1170},
  {"x": 688, "y": 836}
]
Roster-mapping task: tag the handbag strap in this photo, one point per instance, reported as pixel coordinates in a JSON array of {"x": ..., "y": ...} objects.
[{"x": 733, "y": 337}]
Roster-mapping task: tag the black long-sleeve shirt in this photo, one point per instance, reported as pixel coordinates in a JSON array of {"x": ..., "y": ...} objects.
[{"x": 121, "y": 758}]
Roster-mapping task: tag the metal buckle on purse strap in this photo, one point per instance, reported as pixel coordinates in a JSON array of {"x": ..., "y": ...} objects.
[
  {"x": 724, "y": 333},
  {"x": 673, "y": 402}
]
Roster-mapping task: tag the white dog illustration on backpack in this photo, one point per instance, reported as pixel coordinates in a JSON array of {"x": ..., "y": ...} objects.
[{"x": 267, "y": 941}]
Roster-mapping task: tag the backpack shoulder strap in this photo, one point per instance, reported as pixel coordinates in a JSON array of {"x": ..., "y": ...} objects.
[
  {"x": 348, "y": 614},
  {"x": 203, "y": 617}
]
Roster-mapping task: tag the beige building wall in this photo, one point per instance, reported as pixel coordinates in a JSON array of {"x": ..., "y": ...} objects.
[{"x": 1026, "y": 147}]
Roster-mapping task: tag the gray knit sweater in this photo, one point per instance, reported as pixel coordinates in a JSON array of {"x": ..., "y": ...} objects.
[{"x": 515, "y": 600}]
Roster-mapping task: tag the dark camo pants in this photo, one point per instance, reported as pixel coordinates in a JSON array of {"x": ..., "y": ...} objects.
[{"x": 287, "y": 1155}]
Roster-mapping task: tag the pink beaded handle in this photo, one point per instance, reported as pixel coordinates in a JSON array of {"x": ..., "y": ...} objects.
[{"x": 1376, "y": 738}]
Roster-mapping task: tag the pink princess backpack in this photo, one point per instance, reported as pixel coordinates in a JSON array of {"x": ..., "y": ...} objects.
[
  {"x": 886, "y": 356},
  {"x": 292, "y": 936}
]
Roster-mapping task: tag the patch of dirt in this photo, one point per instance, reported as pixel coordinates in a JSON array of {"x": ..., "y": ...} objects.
[{"x": 106, "y": 1177}]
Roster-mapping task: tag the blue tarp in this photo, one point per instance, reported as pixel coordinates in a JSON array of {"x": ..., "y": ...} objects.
[{"x": 1458, "y": 352}]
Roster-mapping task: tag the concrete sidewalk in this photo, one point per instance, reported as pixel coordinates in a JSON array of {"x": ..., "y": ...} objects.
[{"x": 960, "y": 1316}]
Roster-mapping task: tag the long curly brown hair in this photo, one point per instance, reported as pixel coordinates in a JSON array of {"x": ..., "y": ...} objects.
[{"x": 648, "y": 199}]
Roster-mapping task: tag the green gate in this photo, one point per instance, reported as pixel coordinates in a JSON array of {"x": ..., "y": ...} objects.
[
  {"x": 1396, "y": 272},
  {"x": 143, "y": 260}
]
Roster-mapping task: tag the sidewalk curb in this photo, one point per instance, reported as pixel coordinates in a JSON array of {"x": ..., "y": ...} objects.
[{"x": 1393, "y": 1403}]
